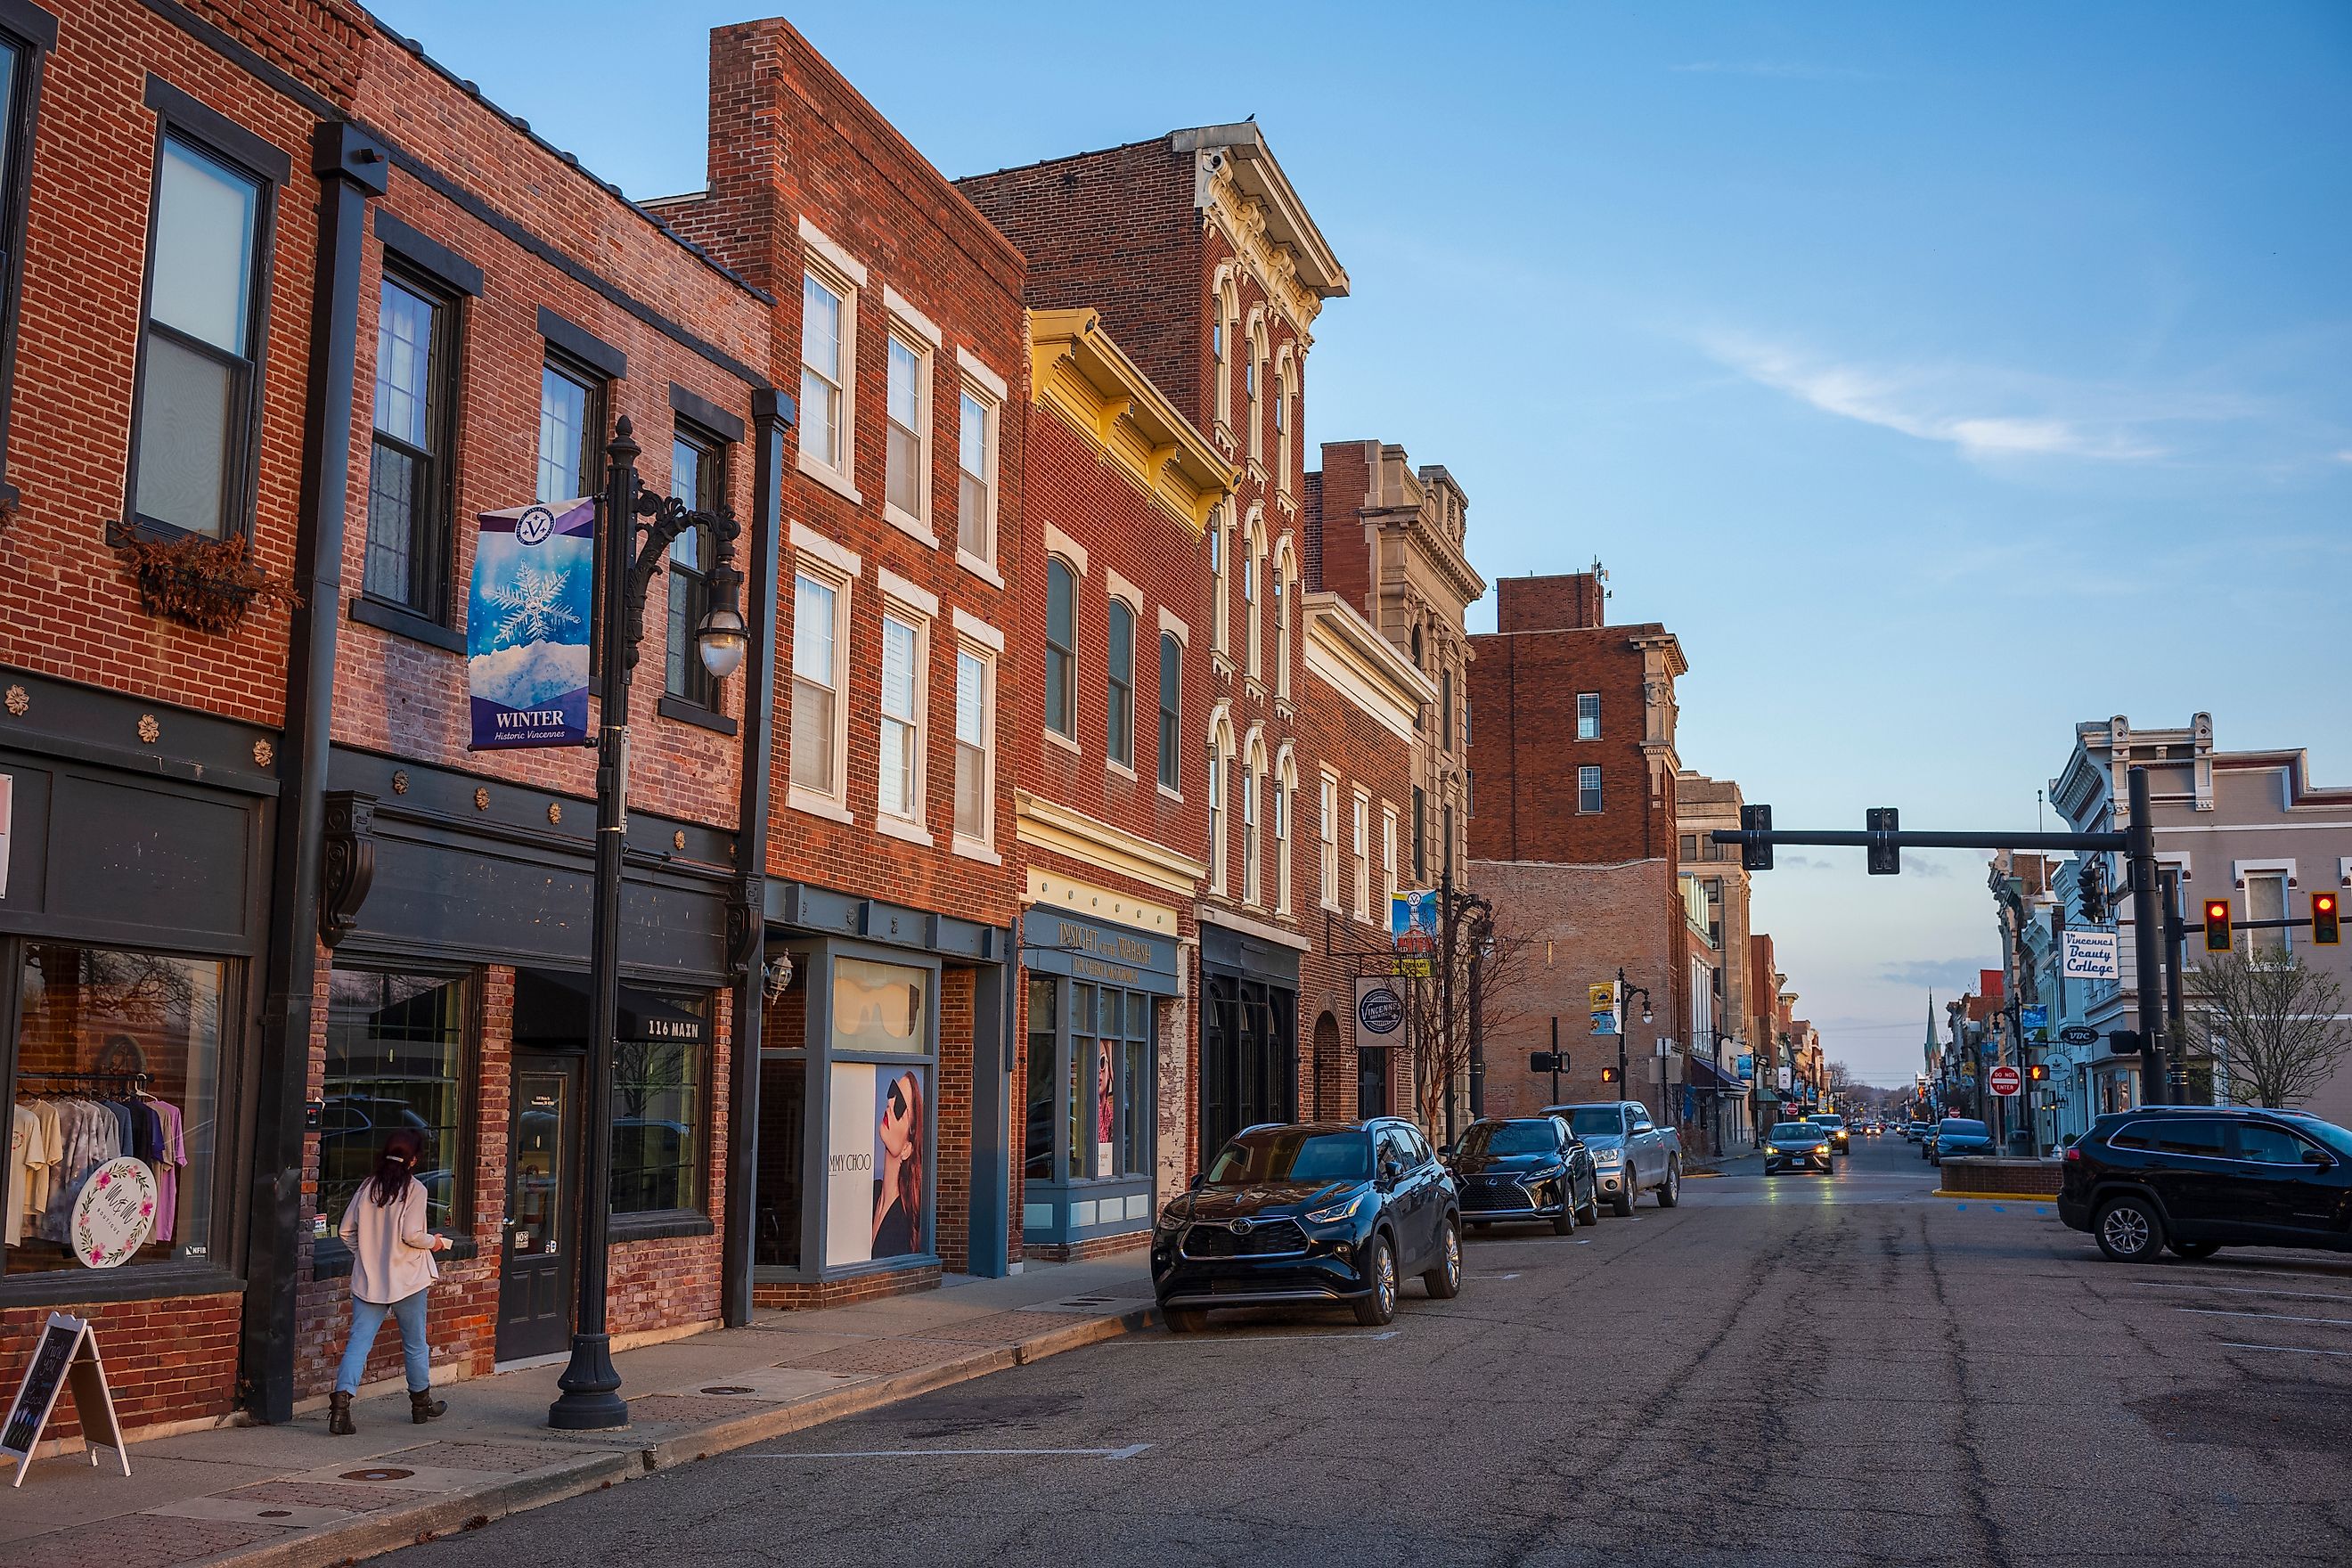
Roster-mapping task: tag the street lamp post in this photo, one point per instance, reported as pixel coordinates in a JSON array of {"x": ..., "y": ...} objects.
[
  {"x": 1623, "y": 992},
  {"x": 632, "y": 551}
]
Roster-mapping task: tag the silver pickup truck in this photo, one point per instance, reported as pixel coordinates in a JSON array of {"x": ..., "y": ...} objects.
[{"x": 1631, "y": 1154}]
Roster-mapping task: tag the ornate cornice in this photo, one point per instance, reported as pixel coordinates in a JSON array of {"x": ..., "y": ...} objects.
[{"x": 1077, "y": 371}]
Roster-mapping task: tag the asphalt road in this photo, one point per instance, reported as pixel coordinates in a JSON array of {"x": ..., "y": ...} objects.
[{"x": 1798, "y": 1368}]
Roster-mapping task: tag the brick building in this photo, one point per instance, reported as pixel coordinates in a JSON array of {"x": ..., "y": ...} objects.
[
  {"x": 890, "y": 877},
  {"x": 293, "y": 908},
  {"x": 1391, "y": 540},
  {"x": 1575, "y": 839},
  {"x": 1721, "y": 1031},
  {"x": 1112, "y": 820},
  {"x": 1206, "y": 265}
]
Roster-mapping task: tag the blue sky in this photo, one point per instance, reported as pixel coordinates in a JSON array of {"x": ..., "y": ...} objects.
[{"x": 1943, "y": 377}]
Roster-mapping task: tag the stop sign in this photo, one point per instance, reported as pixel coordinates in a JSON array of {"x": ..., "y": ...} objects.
[{"x": 2004, "y": 1080}]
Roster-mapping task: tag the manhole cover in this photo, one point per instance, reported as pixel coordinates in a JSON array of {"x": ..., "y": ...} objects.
[
  {"x": 727, "y": 1388},
  {"x": 275, "y": 1513},
  {"x": 386, "y": 1474}
]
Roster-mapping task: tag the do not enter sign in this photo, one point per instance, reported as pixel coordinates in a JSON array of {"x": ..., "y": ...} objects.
[{"x": 2005, "y": 1080}]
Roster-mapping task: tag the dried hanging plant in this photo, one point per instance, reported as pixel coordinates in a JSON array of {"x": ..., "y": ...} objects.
[{"x": 208, "y": 584}]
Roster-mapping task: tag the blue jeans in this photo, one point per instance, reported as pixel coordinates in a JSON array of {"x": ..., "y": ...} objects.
[{"x": 367, "y": 1317}]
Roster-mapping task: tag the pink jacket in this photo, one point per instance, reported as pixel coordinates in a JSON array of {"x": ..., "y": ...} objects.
[{"x": 391, "y": 1249}]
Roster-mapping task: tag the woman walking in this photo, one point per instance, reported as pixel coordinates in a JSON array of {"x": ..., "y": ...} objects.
[{"x": 392, "y": 1266}]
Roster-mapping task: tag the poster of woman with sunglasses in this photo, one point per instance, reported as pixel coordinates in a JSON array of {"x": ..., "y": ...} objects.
[{"x": 898, "y": 1165}]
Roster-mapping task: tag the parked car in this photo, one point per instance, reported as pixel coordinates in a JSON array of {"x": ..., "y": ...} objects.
[
  {"x": 1525, "y": 1168},
  {"x": 1914, "y": 1130},
  {"x": 2198, "y": 1178},
  {"x": 1956, "y": 1135},
  {"x": 1841, "y": 1137},
  {"x": 1309, "y": 1213},
  {"x": 1798, "y": 1146},
  {"x": 1633, "y": 1154}
]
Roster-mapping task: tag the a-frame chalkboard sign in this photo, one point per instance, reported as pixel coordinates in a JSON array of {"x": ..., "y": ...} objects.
[{"x": 67, "y": 1356}]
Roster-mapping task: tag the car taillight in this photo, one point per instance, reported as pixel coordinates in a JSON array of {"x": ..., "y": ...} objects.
[{"x": 2073, "y": 1152}]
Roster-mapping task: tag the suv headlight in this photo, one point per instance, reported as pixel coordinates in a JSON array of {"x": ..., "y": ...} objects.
[
  {"x": 1345, "y": 1209},
  {"x": 1607, "y": 1156},
  {"x": 1170, "y": 1220}
]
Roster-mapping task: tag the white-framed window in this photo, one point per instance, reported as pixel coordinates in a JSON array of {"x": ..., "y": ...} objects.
[
  {"x": 1327, "y": 834},
  {"x": 907, "y": 411},
  {"x": 820, "y": 652},
  {"x": 1588, "y": 789},
  {"x": 900, "y": 742},
  {"x": 1253, "y": 562},
  {"x": 975, "y": 754},
  {"x": 1171, "y": 700},
  {"x": 1219, "y": 749},
  {"x": 1286, "y": 591},
  {"x": 976, "y": 476},
  {"x": 1388, "y": 852},
  {"x": 1253, "y": 781},
  {"x": 1588, "y": 715},
  {"x": 1061, "y": 648},
  {"x": 828, "y": 379},
  {"x": 1282, "y": 424},
  {"x": 1362, "y": 842},
  {"x": 1285, "y": 785},
  {"x": 2266, "y": 900},
  {"x": 1254, "y": 385},
  {"x": 1118, "y": 683},
  {"x": 1219, "y": 616},
  {"x": 1222, "y": 333}
]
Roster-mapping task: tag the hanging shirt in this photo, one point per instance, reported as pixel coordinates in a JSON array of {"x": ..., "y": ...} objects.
[
  {"x": 27, "y": 1155},
  {"x": 173, "y": 1155},
  {"x": 53, "y": 1148}
]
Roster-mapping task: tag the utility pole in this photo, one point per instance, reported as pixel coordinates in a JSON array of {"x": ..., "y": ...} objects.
[
  {"x": 2176, "y": 943},
  {"x": 2146, "y": 940}
]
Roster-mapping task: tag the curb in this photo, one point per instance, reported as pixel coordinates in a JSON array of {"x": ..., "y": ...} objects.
[
  {"x": 2051, "y": 1198},
  {"x": 388, "y": 1529}
]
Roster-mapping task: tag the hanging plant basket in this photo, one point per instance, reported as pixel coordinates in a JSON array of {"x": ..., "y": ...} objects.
[{"x": 208, "y": 584}]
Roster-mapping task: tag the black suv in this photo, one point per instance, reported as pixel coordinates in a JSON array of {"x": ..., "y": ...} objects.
[
  {"x": 1305, "y": 1212},
  {"x": 1525, "y": 1168},
  {"x": 2199, "y": 1178}
]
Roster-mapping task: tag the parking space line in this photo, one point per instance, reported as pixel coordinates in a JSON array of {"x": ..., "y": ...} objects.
[
  {"x": 2286, "y": 1350},
  {"x": 2246, "y": 1291},
  {"x": 2274, "y": 1317},
  {"x": 1130, "y": 1451}
]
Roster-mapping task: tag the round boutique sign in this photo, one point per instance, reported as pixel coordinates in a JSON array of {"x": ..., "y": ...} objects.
[
  {"x": 1379, "y": 1009},
  {"x": 114, "y": 1213}
]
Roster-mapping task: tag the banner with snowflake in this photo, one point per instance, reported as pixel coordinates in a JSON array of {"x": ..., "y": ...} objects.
[{"x": 527, "y": 624}]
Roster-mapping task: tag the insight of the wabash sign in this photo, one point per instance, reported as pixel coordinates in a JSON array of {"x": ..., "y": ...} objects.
[{"x": 67, "y": 1355}]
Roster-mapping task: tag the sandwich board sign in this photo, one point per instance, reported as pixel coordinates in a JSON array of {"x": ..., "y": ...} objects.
[{"x": 67, "y": 1356}]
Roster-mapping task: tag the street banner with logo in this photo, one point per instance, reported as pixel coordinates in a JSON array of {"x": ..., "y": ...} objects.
[
  {"x": 2091, "y": 955},
  {"x": 527, "y": 624},
  {"x": 1413, "y": 919}
]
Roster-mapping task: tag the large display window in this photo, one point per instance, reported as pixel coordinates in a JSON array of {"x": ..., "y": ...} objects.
[
  {"x": 395, "y": 1058},
  {"x": 661, "y": 1094},
  {"x": 113, "y": 1128}
]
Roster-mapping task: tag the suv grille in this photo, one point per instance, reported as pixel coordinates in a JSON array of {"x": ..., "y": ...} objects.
[
  {"x": 1489, "y": 1193},
  {"x": 1268, "y": 1239}
]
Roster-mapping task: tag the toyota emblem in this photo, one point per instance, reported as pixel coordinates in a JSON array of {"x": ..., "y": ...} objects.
[{"x": 1238, "y": 1226}]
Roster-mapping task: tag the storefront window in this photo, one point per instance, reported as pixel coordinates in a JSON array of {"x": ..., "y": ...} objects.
[
  {"x": 658, "y": 1113},
  {"x": 880, "y": 1131},
  {"x": 1037, "y": 1156},
  {"x": 1103, "y": 1124},
  {"x": 395, "y": 1047},
  {"x": 117, "y": 1064}
]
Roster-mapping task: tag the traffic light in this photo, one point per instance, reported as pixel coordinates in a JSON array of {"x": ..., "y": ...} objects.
[
  {"x": 2038, "y": 1073},
  {"x": 2326, "y": 928},
  {"x": 2216, "y": 925},
  {"x": 1609, "y": 1075},
  {"x": 1885, "y": 858},
  {"x": 2091, "y": 886},
  {"x": 1756, "y": 856}
]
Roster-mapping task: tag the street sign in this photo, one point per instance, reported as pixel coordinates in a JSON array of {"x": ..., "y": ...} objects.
[
  {"x": 2006, "y": 1080},
  {"x": 1547, "y": 1061},
  {"x": 2079, "y": 1035},
  {"x": 2091, "y": 955}
]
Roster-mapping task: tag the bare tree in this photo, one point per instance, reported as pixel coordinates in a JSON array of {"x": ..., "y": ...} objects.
[
  {"x": 2271, "y": 1022},
  {"x": 1442, "y": 1056},
  {"x": 1841, "y": 1079}
]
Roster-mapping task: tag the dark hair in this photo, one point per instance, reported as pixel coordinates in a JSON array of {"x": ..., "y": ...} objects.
[
  {"x": 911, "y": 1174},
  {"x": 396, "y": 1167}
]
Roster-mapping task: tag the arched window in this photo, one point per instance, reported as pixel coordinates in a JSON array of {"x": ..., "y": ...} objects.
[
  {"x": 1221, "y": 751},
  {"x": 1220, "y": 637},
  {"x": 1220, "y": 347},
  {"x": 1250, "y": 566},
  {"x": 1285, "y": 594},
  {"x": 1285, "y": 784},
  {"x": 1172, "y": 688},
  {"x": 1254, "y": 372},
  {"x": 1252, "y": 859},
  {"x": 1061, "y": 648},
  {"x": 1118, "y": 670}
]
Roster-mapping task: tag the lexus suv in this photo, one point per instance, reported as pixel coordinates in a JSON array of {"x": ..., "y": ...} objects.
[
  {"x": 1525, "y": 1168},
  {"x": 2198, "y": 1178},
  {"x": 1306, "y": 1214}
]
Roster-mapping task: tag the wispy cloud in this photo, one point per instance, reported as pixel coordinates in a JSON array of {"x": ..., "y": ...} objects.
[
  {"x": 1792, "y": 70},
  {"x": 1933, "y": 403}
]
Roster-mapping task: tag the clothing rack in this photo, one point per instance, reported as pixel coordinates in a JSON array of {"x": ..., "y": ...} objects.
[{"x": 133, "y": 1080}]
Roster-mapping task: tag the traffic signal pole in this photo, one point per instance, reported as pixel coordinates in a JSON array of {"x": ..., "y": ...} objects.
[{"x": 2147, "y": 931}]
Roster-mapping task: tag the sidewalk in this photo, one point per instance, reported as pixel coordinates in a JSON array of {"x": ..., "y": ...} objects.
[{"x": 288, "y": 1495}]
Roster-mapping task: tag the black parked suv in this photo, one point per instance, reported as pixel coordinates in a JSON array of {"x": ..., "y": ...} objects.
[
  {"x": 1525, "y": 1168},
  {"x": 1309, "y": 1213},
  {"x": 2198, "y": 1178}
]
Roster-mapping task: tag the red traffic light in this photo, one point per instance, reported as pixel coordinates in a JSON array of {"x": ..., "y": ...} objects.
[
  {"x": 2216, "y": 925},
  {"x": 2326, "y": 924}
]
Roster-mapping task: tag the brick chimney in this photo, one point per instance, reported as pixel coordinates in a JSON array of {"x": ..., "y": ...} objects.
[{"x": 1571, "y": 601}]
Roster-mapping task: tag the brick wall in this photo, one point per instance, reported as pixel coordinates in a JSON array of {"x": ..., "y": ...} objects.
[
  {"x": 1335, "y": 543},
  {"x": 166, "y": 1361},
  {"x": 1573, "y": 601}
]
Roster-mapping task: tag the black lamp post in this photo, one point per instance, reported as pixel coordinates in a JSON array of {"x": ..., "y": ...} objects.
[
  {"x": 1623, "y": 1063},
  {"x": 632, "y": 551}
]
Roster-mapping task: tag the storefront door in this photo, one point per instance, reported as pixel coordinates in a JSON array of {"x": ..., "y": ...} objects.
[
  {"x": 537, "y": 1264},
  {"x": 1371, "y": 1083}
]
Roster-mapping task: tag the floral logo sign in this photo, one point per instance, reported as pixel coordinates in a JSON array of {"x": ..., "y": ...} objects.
[
  {"x": 527, "y": 626},
  {"x": 114, "y": 1213}
]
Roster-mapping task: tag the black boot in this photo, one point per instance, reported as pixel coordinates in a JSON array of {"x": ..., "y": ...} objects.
[
  {"x": 338, "y": 1415},
  {"x": 424, "y": 1407}
]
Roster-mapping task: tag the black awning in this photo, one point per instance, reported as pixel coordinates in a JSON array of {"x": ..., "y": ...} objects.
[{"x": 551, "y": 1011}]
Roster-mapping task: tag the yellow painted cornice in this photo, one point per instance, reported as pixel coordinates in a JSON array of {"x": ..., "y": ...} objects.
[
  {"x": 1048, "y": 825},
  {"x": 1077, "y": 371}
]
